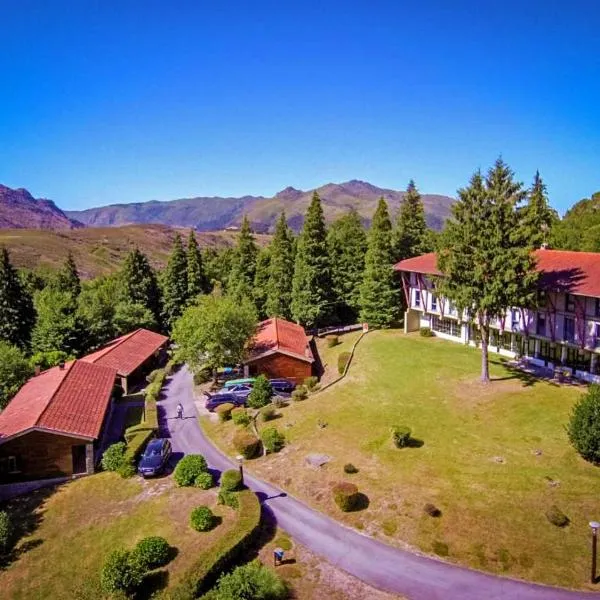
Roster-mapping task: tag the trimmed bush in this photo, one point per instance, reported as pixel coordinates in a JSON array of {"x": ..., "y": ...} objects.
[
  {"x": 228, "y": 499},
  {"x": 311, "y": 383},
  {"x": 6, "y": 532},
  {"x": 188, "y": 468},
  {"x": 240, "y": 416},
  {"x": 350, "y": 469},
  {"x": 224, "y": 411},
  {"x": 136, "y": 446},
  {"x": 152, "y": 391},
  {"x": 343, "y": 360},
  {"x": 261, "y": 393},
  {"x": 122, "y": 572},
  {"x": 253, "y": 580},
  {"x": 584, "y": 425},
  {"x": 114, "y": 456},
  {"x": 332, "y": 340},
  {"x": 126, "y": 470},
  {"x": 279, "y": 402},
  {"x": 231, "y": 480},
  {"x": 202, "y": 519},
  {"x": 204, "y": 481},
  {"x": 267, "y": 413},
  {"x": 153, "y": 375},
  {"x": 346, "y": 496},
  {"x": 401, "y": 436},
  {"x": 432, "y": 510},
  {"x": 557, "y": 517},
  {"x": 153, "y": 552},
  {"x": 246, "y": 444},
  {"x": 425, "y": 332},
  {"x": 272, "y": 440},
  {"x": 300, "y": 393}
]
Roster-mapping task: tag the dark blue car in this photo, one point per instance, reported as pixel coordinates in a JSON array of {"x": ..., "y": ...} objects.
[
  {"x": 215, "y": 400},
  {"x": 155, "y": 458}
]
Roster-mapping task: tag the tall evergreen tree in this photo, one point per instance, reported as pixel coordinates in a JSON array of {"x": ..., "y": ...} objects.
[
  {"x": 347, "y": 242},
  {"x": 243, "y": 268},
  {"x": 17, "y": 314},
  {"x": 411, "y": 236},
  {"x": 139, "y": 284},
  {"x": 261, "y": 281},
  {"x": 196, "y": 277},
  {"x": 312, "y": 286},
  {"x": 281, "y": 271},
  {"x": 67, "y": 278},
  {"x": 379, "y": 298},
  {"x": 536, "y": 216},
  {"x": 486, "y": 259},
  {"x": 175, "y": 283}
]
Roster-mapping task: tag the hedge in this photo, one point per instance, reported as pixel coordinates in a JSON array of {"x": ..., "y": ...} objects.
[
  {"x": 246, "y": 443},
  {"x": 207, "y": 568},
  {"x": 137, "y": 444}
]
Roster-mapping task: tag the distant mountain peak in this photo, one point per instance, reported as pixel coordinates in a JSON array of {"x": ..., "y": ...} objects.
[{"x": 289, "y": 193}]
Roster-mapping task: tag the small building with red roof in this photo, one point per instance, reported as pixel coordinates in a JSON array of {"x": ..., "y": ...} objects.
[
  {"x": 132, "y": 355},
  {"x": 280, "y": 348},
  {"x": 51, "y": 426}
]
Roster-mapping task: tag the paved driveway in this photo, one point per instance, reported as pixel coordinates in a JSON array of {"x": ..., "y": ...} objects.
[{"x": 382, "y": 566}]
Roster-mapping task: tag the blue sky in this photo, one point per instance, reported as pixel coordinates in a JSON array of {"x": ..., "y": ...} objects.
[{"x": 118, "y": 101}]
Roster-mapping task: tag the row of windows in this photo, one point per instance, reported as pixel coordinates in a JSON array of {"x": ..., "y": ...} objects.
[{"x": 447, "y": 326}]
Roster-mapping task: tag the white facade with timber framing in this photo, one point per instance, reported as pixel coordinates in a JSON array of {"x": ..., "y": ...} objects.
[{"x": 563, "y": 331}]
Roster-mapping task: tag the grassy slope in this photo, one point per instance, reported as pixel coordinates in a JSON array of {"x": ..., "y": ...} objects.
[
  {"x": 84, "y": 520},
  {"x": 493, "y": 512},
  {"x": 99, "y": 250}
]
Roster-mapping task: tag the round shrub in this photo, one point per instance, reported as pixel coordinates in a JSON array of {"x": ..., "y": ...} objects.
[
  {"x": 204, "y": 481},
  {"x": 188, "y": 468},
  {"x": 557, "y": 517},
  {"x": 6, "y": 532},
  {"x": 350, "y": 469},
  {"x": 425, "y": 332},
  {"x": 272, "y": 440},
  {"x": 261, "y": 393},
  {"x": 231, "y": 480},
  {"x": 153, "y": 552},
  {"x": 113, "y": 456},
  {"x": 343, "y": 360},
  {"x": 224, "y": 411},
  {"x": 401, "y": 436},
  {"x": 311, "y": 383},
  {"x": 202, "y": 519},
  {"x": 268, "y": 413},
  {"x": 121, "y": 572},
  {"x": 279, "y": 402},
  {"x": 332, "y": 340},
  {"x": 584, "y": 425},
  {"x": 346, "y": 496},
  {"x": 127, "y": 469},
  {"x": 253, "y": 580},
  {"x": 246, "y": 444},
  {"x": 240, "y": 416},
  {"x": 300, "y": 393}
]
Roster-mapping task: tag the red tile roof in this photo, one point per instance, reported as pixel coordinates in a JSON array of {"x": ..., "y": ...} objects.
[
  {"x": 128, "y": 352},
  {"x": 278, "y": 335},
  {"x": 73, "y": 400},
  {"x": 561, "y": 270}
]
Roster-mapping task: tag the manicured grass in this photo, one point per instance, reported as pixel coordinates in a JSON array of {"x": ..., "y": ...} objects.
[
  {"x": 329, "y": 356},
  {"x": 492, "y": 458},
  {"x": 80, "y": 523}
]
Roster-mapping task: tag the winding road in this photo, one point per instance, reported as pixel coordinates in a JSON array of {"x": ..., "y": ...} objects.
[{"x": 384, "y": 567}]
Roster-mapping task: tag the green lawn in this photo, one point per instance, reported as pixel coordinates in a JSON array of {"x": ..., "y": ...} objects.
[
  {"x": 74, "y": 528},
  {"x": 493, "y": 458}
]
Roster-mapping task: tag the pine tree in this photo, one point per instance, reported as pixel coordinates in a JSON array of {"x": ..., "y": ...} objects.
[
  {"x": 196, "y": 277},
  {"x": 17, "y": 314},
  {"x": 261, "y": 281},
  {"x": 243, "y": 268},
  {"x": 312, "y": 286},
  {"x": 67, "y": 278},
  {"x": 175, "y": 283},
  {"x": 139, "y": 284},
  {"x": 536, "y": 217},
  {"x": 379, "y": 299},
  {"x": 486, "y": 259},
  {"x": 281, "y": 272},
  {"x": 347, "y": 242},
  {"x": 411, "y": 236}
]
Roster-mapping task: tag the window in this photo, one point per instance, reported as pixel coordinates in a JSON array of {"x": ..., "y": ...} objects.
[
  {"x": 540, "y": 327},
  {"x": 569, "y": 329},
  {"x": 433, "y": 302},
  {"x": 569, "y": 303},
  {"x": 417, "y": 298},
  {"x": 515, "y": 316},
  {"x": 596, "y": 334},
  {"x": 447, "y": 326},
  {"x": 577, "y": 359},
  {"x": 597, "y": 311},
  {"x": 9, "y": 465}
]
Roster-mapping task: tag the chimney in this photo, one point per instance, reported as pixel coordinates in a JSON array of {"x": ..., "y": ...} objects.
[
  {"x": 61, "y": 365},
  {"x": 37, "y": 369}
]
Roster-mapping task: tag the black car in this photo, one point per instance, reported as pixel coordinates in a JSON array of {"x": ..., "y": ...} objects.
[
  {"x": 155, "y": 457},
  {"x": 282, "y": 386},
  {"x": 215, "y": 400}
]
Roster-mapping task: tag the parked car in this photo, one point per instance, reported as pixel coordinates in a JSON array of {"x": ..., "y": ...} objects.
[
  {"x": 244, "y": 381},
  {"x": 223, "y": 397},
  {"x": 282, "y": 386},
  {"x": 240, "y": 390},
  {"x": 155, "y": 457}
]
